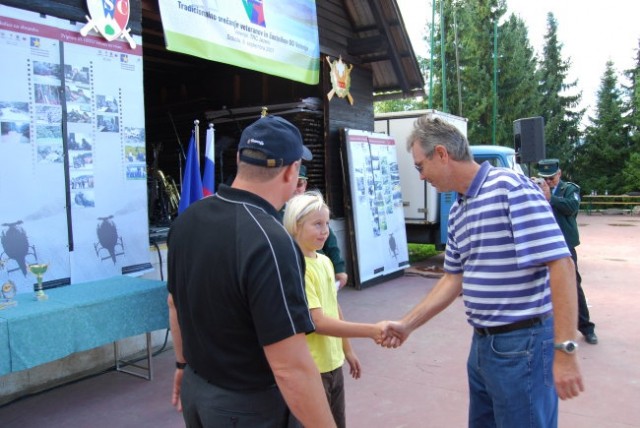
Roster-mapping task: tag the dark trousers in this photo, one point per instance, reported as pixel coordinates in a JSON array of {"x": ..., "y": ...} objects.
[
  {"x": 333, "y": 383},
  {"x": 585, "y": 326},
  {"x": 206, "y": 405}
]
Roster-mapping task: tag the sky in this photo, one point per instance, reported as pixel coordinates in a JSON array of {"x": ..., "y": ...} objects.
[{"x": 591, "y": 34}]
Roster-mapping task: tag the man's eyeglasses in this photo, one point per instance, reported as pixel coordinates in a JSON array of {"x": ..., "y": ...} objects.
[
  {"x": 549, "y": 178},
  {"x": 301, "y": 182}
]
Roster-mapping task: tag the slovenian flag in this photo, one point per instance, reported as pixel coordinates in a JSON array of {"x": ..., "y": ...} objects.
[
  {"x": 208, "y": 179},
  {"x": 191, "y": 184}
]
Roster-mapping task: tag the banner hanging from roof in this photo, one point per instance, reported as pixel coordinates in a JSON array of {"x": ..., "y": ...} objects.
[{"x": 278, "y": 37}]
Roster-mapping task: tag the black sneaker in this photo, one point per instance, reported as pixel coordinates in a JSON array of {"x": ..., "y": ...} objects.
[{"x": 591, "y": 338}]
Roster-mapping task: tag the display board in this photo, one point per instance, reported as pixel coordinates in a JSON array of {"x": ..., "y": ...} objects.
[
  {"x": 278, "y": 37},
  {"x": 72, "y": 153},
  {"x": 376, "y": 201}
]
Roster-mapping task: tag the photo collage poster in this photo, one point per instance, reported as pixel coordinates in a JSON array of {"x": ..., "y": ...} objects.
[
  {"x": 72, "y": 153},
  {"x": 376, "y": 198}
]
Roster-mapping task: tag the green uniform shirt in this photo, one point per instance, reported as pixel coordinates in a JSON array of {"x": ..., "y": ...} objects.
[{"x": 565, "y": 201}]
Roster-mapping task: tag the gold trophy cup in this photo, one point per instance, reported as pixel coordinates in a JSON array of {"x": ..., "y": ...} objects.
[{"x": 38, "y": 269}]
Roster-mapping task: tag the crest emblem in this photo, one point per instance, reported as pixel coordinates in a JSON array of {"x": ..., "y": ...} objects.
[
  {"x": 340, "y": 79},
  {"x": 109, "y": 18}
]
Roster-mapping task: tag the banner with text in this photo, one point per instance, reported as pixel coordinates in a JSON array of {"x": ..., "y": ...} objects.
[{"x": 278, "y": 37}]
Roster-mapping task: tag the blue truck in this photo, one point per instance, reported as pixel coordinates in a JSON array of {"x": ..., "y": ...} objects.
[{"x": 425, "y": 210}]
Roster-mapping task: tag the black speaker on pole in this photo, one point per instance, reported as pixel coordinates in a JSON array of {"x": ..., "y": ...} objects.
[{"x": 528, "y": 139}]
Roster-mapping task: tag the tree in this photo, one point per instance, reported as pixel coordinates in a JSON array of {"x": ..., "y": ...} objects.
[
  {"x": 601, "y": 159},
  {"x": 561, "y": 120}
]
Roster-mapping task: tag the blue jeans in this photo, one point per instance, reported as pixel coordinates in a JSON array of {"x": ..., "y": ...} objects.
[{"x": 511, "y": 379}]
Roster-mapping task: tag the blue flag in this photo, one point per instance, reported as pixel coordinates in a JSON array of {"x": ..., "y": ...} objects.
[{"x": 191, "y": 182}]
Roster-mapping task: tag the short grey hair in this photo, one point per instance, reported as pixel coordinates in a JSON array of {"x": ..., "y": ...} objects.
[{"x": 431, "y": 132}]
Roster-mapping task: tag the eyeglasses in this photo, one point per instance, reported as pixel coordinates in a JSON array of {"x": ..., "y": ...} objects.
[
  {"x": 549, "y": 178},
  {"x": 301, "y": 182}
]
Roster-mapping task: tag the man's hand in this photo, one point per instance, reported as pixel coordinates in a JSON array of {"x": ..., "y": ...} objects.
[
  {"x": 175, "y": 395},
  {"x": 342, "y": 279},
  {"x": 396, "y": 334},
  {"x": 566, "y": 375}
]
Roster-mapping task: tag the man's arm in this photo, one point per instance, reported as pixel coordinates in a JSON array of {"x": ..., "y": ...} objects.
[
  {"x": 177, "y": 349},
  {"x": 566, "y": 372},
  {"x": 568, "y": 202},
  {"x": 445, "y": 292},
  {"x": 299, "y": 381}
]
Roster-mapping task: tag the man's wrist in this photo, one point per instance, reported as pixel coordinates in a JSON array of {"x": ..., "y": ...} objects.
[{"x": 180, "y": 366}]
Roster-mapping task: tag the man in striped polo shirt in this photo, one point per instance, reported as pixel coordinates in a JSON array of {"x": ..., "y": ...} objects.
[{"x": 508, "y": 257}]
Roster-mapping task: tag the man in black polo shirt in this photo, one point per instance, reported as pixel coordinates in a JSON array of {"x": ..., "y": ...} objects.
[{"x": 237, "y": 304}]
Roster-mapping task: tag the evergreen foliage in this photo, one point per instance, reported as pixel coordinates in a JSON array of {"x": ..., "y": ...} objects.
[{"x": 605, "y": 156}]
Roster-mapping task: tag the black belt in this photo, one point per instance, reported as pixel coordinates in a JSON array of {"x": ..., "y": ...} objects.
[{"x": 518, "y": 325}]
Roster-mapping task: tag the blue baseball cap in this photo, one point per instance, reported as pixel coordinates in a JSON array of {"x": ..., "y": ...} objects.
[{"x": 277, "y": 138}]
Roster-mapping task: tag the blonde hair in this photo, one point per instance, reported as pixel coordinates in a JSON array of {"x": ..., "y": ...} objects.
[{"x": 301, "y": 206}]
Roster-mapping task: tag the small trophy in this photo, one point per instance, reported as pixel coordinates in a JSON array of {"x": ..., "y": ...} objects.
[
  {"x": 38, "y": 269},
  {"x": 8, "y": 292}
]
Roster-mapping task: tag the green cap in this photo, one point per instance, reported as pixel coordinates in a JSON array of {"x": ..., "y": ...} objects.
[
  {"x": 303, "y": 172},
  {"x": 548, "y": 167}
]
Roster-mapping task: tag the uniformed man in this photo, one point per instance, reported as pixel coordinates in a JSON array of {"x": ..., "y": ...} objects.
[{"x": 564, "y": 198}]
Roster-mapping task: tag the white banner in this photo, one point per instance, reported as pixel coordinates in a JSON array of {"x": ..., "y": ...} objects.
[{"x": 278, "y": 37}]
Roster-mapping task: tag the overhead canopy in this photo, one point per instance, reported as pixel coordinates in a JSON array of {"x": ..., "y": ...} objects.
[{"x": 381, "y": 40}]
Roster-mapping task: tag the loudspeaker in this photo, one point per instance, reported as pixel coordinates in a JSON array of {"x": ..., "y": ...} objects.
[{"x": 528, "y": 139}]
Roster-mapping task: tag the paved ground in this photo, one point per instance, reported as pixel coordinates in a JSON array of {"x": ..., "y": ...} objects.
[{"x": 422, "y": 384}]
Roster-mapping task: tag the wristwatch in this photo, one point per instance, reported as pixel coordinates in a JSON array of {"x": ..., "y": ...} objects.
[
  {"x": 181, "y": 366},
  {"x": 568, "y": 347}
]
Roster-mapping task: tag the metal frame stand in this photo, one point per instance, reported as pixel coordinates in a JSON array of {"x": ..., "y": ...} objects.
[{"x": 146, "y": 372}]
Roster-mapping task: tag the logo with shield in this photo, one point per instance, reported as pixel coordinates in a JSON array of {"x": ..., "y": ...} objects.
[{"x": 109, "y": 18}]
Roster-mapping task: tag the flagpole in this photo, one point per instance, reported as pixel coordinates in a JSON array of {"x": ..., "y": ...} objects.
[{"x": 196, "y": 124}]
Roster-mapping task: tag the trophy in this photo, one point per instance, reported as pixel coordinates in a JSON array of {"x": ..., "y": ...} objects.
[
  {"x": 8, "y": 292},
  {"x": 38, "y": 269}
]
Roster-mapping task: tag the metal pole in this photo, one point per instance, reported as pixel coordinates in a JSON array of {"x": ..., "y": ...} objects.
[
  {"x": 444, "y": 71},
  {"x": 433, "y": 24},
  {"x": 495, "y": 79}
]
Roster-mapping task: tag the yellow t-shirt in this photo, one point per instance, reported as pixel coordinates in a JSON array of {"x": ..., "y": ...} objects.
[{"x": 319, "y": 283}]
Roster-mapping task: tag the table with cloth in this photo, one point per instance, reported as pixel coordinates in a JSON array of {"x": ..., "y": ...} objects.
[{"x": 79, "y": 317}]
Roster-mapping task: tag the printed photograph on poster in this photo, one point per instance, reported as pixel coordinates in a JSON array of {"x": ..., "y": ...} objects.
[
  {"x": 83, "y": 198},
  {"x": 46, "y": 73},
  {"x": 14, "y": 111},
  {"x": 106, "y": 104},
  {"x": 47, "y": 94},
  {"x": 79, "y": 141},
  {"x": 108, "y": 123},
  {"x": 50, "y": 115},
  {"x": 79, "y": 113},
  {"x": 75, "y": 94},
  {"x": 77, "y": 75},
  {"x": 135, "y": 154},
  {"x": 49, "y": 144},
  {"x": 81, "y": 180},
  {"x": 14, "y": 132},
  {"x": 80, "y": 159}
]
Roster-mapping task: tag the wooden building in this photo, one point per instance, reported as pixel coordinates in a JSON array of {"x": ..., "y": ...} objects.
[{"x": 179, "y": 89}]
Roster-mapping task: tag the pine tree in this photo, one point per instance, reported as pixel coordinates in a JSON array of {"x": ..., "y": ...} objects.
[
  {"x": 601, "y": 159},
  {"x": 561, "y": 118}
]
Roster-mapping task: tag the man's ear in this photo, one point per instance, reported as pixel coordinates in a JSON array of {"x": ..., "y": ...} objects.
[
  {"x": 441, "y": 152},
  {"x": 291, "y": 173}
]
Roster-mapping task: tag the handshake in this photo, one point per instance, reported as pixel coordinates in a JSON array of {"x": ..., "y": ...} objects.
[{"x": 390, "y": 334}]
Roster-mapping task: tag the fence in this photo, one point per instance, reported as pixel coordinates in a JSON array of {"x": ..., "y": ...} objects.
[{"x": 600, "y": 202}]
